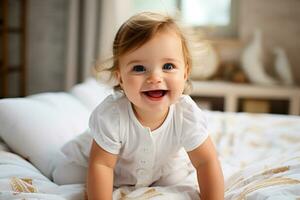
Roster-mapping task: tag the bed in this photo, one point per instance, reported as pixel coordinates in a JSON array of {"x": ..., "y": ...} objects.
[{"x": 259, "y": 153}]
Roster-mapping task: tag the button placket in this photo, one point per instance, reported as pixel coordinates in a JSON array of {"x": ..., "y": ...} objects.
[
  {"x": 145, "y": 162},
  {"x": 146, "y": 150}
]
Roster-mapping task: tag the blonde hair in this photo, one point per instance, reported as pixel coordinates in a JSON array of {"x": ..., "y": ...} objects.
[{"x": 138, "y": 30}]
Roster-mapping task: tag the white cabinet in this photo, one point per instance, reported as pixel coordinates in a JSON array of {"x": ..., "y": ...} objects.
[{"x": 232, "y": 93}]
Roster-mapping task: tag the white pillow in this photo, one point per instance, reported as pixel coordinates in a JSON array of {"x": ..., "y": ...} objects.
[
  {"x": 36, "y": 127},
  {"x": 91, "y": 92}
]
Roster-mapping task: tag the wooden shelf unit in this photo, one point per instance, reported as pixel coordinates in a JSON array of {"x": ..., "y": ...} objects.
[
  {"x": 5, "y": 67},
  {"x": 232, "y": 93}
]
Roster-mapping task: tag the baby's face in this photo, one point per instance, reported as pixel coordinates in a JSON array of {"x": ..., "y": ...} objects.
[{"x": 153, "y": 76}]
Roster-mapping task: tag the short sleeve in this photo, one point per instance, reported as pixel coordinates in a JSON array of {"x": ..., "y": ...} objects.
[
  {"x": 194, "y": 127},
  {"x": 104, "y": 124}
]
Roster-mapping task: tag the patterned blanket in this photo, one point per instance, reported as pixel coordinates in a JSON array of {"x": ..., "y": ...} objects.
[{"x": 260, "y": 156}]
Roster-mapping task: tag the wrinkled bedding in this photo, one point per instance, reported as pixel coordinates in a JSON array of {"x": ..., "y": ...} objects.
[{"x": 260, "y": 156}]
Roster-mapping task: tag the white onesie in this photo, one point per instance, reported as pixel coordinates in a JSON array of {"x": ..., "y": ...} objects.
[{"x": 144, "y": 156}]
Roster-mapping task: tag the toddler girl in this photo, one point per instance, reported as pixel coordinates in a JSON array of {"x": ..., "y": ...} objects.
[{"x": 139, "y": 131}]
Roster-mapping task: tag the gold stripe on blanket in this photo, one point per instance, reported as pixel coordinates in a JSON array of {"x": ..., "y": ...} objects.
[
  {"x": 276, "y": 170},
  {"x": 267, "y": 183},
  {"x": 267, "y": 173},
  {"x": 146, "y": 195},
  {"x": 22, "y": 185}
]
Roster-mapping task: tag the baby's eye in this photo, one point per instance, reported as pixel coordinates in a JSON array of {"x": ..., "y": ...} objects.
[
  {"x": 138, "y": 68},
  {"x": 168, "y": 66}
]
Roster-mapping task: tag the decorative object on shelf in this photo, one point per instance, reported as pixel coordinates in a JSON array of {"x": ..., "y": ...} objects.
[
  {"x": 229, "y": 53},
  {"x": 256, "y": 106},
  {"x": 205, "y": 61},
  {"x": 252, "y": 62},
  {"x": 282, "y": 66},
  {"x": 230, "y": 71}
]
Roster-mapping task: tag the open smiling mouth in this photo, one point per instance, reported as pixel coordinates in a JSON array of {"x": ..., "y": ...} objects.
[{"x": 155, "y": 94}]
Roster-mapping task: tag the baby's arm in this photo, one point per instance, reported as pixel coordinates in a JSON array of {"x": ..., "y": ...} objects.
[
  {"x": 209, "y": 173},
  {"x": 100, "y": 173}
]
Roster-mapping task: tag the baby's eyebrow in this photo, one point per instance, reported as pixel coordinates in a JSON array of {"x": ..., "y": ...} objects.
[
  {"x": 171, "y": 60},
  {"x": 133, "y": 61}
]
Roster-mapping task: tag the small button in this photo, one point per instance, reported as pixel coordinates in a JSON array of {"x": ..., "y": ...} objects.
[
  {"x": 143, "y": 162},
  {"x": 146, "y": 150},
  {"x": 141, "y": 172},
  {"x": 139, "y": 185}
]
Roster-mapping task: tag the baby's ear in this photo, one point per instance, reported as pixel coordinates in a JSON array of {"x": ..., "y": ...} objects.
[
  {"x": 118, "y": 77},
  {"x": 186, "y": 72}
]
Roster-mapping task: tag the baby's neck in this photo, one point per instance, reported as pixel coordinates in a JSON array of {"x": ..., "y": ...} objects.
[{"x": 150, "y": 119}]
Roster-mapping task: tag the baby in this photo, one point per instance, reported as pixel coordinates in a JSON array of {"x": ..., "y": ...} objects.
[{"x": 139, "y": 130}]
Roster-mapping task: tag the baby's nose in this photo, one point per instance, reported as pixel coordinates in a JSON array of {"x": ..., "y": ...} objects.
[{"x": 154, "y": 78}]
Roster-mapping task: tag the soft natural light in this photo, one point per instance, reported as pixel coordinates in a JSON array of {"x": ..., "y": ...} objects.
[
  {"x": 165, "y": 6},
  {"x": 193, "y": 12},
  {"x": 205, "y": 13}
]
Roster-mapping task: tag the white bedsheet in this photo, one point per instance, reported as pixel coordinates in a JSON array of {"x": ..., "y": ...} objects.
[
  {"x": 260, "y": 156},
  {"x": 21, "y": 180}
]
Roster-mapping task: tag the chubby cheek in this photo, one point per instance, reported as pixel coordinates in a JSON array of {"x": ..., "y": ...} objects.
[
  {"x": 130, "y": 83},
  {"x": 131, "y": 86},
  {"x": 177, "y": 83},
  {"x": 176, "y": 90}
]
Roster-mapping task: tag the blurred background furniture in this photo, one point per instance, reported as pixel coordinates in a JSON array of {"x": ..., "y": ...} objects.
[
  {"x": 247, "y": 97},
  {"x": 9, "y": 35}
]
